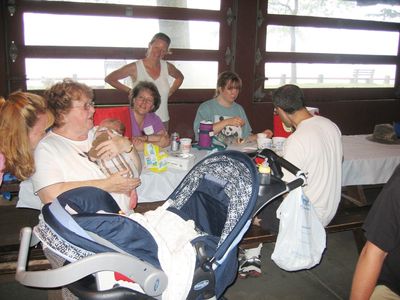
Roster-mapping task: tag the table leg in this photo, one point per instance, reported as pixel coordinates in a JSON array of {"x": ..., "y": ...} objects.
[
  {"x": 361, "y": 195},
  {"x": 355, "y": 194}
]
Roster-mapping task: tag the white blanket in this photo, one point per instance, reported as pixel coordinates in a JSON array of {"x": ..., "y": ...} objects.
[{"x": 175, "y": 252}]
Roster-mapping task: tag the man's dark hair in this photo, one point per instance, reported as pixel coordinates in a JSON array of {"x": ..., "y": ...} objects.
[{"x": 289, "y": 98}]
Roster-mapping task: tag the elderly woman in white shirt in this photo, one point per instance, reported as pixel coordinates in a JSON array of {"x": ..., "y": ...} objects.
[{"x": 61, "y": 156}]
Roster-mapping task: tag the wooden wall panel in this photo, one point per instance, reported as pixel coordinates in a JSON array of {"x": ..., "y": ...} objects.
[{"x": 352, "y": 117}]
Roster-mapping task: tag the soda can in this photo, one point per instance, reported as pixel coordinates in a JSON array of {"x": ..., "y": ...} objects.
[{"x": 175, "y": 141}]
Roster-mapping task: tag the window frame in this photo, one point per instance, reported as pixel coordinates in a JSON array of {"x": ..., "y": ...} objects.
[
  {"x": 323, "y": 94},
  {"x": 253, "y": 19},
  {"x": 107, "y": 96}
]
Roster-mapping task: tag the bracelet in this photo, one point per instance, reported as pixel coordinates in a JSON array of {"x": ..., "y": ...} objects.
[{"x": 130, "y": 150}]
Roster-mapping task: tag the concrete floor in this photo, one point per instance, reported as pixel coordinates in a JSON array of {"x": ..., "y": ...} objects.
[{"x": 330, "y": 280}]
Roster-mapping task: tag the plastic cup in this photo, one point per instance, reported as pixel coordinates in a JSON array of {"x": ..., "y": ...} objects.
[{"x": 186, "y": 145}]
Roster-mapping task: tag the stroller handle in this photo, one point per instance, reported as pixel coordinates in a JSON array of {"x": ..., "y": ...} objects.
[
  {"x": 276, "y": 164},
  {"x": 152, "y": 280},
  {"x": 277, "y": 187}
]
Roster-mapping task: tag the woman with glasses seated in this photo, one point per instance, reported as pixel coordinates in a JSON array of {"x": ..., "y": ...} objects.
[
  {"x": 147, "y": 127},
  {"x": 61, "y": 157}
]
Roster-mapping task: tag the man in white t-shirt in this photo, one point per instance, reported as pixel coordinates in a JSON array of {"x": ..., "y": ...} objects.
[{"x": 315, "y": 147}]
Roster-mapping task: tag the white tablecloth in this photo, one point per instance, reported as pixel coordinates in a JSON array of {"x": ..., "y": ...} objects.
[
  {"x": 159, "y": 186},
  {"x": 367, "y": 162},
  {"x": 364, "y": 163}
]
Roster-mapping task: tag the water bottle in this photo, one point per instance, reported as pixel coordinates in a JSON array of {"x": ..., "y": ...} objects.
[{"x": 205, "y": 134}]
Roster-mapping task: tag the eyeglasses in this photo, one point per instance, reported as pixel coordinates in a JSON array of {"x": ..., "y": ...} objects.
[
  {"x": 86, "y": 105},
  {"x": 145, "y": 100}
]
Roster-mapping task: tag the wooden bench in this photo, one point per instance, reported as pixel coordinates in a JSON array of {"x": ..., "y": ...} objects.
[
  {"x": 364, "y": 74},
  {"x": 9, "y": 257}
]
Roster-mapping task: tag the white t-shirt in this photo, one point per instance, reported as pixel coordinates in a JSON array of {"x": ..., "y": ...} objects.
[
  {"x": 26, "y": 196},
  {"x": 162, "y": 84},
  {"x": 316, "y": 148},
  {"x": 59, "y": 159}
]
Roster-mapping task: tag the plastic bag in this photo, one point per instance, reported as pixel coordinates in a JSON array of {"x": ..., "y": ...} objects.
[{"x": 302, "y": 238}]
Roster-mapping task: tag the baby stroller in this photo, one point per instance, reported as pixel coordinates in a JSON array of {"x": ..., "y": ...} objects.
[{"x": 209, "y": 212}]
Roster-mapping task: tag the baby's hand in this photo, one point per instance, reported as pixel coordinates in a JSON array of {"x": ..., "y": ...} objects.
[
  {"x": 269, "y": 133},
  {"x": 121, "y": 183},
  {"x": 137, "y": 141}
]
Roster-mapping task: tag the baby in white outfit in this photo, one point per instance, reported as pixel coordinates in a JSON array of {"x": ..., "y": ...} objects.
[{"x": 121, "y": 162}]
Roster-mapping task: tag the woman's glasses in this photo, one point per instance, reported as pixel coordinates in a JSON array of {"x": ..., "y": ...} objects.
[
  {"x": 145, "y": 100},
  {"x": 85, "y": 106}
]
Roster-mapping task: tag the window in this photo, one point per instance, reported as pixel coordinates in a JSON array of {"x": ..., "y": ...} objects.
[
  {"x": 335, "y": 48},
  {"x": 329, "y": 75},
  {"x": 344, "y": 9},
  {"x": 346, "y": 48},
  {"x": 86, "y": 42},
  {"x": 203, "y": 4},
  {"x": 331, "y": 40},
  {"x": 100, "y": 31}
]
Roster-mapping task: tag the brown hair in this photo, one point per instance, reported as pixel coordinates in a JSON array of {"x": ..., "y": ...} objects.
[
  {"x": 18, "y": 115},
  {"x": 60, "y": 96},
  {"x": 225, "y": 77},
  {"x": 161, "y": 36},
  {"x": 147, "y": 85}
]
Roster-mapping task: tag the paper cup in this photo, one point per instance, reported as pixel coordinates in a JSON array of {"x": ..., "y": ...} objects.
[
  {"x": 278, "y": 144},
  {"x": 186, "y": 145},
  {"x": 261, "y": 135},
  {"x": 264, "y": 142}
]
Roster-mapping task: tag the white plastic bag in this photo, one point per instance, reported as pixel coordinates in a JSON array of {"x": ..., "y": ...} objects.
[{"x": 301, "y": 239}]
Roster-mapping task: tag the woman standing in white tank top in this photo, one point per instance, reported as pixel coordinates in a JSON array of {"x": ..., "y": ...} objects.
[{"x": 154, "y": 69}]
